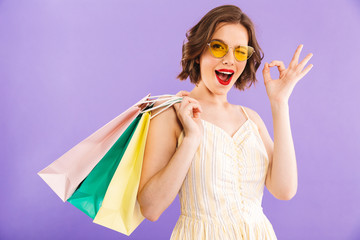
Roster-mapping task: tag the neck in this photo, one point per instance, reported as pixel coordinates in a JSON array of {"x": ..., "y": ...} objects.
[{"x": 203, "y": 94}]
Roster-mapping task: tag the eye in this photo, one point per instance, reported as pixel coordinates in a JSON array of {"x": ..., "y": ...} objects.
[
  {"x": 217, "y": 46},
  {"x": 242, "y": 50}
]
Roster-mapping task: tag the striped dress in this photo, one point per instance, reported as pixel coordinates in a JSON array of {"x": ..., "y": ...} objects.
[{"x": 222, "y": 192}]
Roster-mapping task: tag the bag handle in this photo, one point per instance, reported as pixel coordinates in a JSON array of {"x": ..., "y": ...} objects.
[
  {"x": 166, "y": 105},
  {"x": 156, "y": 98}
]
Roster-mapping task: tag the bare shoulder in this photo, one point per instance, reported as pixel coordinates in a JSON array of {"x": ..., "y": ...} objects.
[
  {"x": 167, "y": 118},
  {"x": 164, "y": 127},
  {"x": 161, "y": 142}
]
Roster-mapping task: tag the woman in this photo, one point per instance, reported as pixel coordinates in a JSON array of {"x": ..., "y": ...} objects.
[{"x": 216, "y": 155}]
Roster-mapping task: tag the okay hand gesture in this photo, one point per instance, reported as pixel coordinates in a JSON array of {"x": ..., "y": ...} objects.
[{"x": 279, "y": 90}]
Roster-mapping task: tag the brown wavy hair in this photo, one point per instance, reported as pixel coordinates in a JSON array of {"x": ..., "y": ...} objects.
[{"x": 201, "y": 34}]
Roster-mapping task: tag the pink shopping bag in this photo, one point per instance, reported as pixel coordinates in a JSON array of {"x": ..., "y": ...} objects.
[{"x": 66, "y": 173}]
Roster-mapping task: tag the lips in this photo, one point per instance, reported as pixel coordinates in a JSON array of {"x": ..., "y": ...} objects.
[{"x": 224, "y": 76}]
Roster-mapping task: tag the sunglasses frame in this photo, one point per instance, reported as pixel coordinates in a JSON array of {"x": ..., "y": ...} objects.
[{"x": 228, "y": 48}]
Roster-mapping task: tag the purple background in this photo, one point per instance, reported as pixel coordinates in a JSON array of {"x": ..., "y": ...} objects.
[{"x": 68, "y": 67}]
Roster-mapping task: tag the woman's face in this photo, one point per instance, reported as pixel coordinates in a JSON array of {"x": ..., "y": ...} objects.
[{"x": 213, "y": 70}]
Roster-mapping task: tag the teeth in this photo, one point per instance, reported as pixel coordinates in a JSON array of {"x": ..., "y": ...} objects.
[{"x": 228, "y": 73}]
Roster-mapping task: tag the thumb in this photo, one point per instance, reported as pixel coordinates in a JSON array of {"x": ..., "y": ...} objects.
[
  {"x": 266, "y": 73},
  {"x": 182, "y": 93}
]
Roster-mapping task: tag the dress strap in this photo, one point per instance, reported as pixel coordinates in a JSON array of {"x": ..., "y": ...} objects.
[{"x": 245, "y": 112}]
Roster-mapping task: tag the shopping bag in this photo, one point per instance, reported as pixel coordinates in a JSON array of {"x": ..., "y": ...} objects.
[
  {"x": 66, "y": 173},
  {"x": 90, "y": 194},
  {"x": 120, "y": 209}
]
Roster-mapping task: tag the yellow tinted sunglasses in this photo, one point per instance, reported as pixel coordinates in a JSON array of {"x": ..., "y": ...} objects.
[{"x": 219, "y": 49}]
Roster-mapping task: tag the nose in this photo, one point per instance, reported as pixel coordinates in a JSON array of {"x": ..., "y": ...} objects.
[{"x": 229, "y": 58}]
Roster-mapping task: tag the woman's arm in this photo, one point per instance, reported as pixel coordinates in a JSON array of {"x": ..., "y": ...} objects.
[
  {"x": 282, "y": 176},
  {"x": 164, "y": 167}
]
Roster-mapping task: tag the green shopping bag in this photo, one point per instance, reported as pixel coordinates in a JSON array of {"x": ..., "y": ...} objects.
[
  {"x": 90, "y": 194},
  {"x": 120, "y": 209}
]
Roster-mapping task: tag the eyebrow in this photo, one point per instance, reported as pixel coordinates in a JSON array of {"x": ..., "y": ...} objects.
[{"x": 215, "y": 39}]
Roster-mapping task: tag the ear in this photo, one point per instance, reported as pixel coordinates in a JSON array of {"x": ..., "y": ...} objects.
[{"x": 197, "y": 60}]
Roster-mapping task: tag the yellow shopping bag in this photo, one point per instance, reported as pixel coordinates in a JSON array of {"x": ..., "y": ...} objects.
[{"x": 120, "y": 210}]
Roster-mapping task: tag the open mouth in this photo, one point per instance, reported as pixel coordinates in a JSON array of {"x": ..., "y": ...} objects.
[{"x": 223, "y": 76}]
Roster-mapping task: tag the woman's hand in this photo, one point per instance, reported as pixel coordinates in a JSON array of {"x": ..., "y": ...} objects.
[
  {"x": 188, "y": 112},
  {"x": 279, "y": 90}
]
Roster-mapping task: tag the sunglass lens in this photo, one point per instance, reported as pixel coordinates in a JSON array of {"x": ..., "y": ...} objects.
[
  {"x": 218, "y": 49},
  {"x": 242, "y": 53}
]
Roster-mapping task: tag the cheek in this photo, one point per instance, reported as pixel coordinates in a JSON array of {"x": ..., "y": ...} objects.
[
  {"x": 208, "y": 64},
  {"x": 241, "y": 67}
]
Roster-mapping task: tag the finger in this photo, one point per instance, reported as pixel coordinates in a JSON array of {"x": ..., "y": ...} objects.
[
  {"x": 279, "y": 64},
  {"x": 197, "y": 111},
  {"x": 196, "y": 105},
  {"x": 306, "y": 70},
  {"x": 188, "y": 101},
  {"x": 182, "y": 93},
  {"x": 305, "y": 61},
  {"x": 183, "y": 101},
  {"x": 191, "y": 109},
  {"x": 266, "y": 73},
  {"x": 295, "y": 59},
  {"x": 197, "y": 114}
]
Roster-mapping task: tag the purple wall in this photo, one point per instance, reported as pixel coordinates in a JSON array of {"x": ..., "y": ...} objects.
[{"x": 68, "y": 67}]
